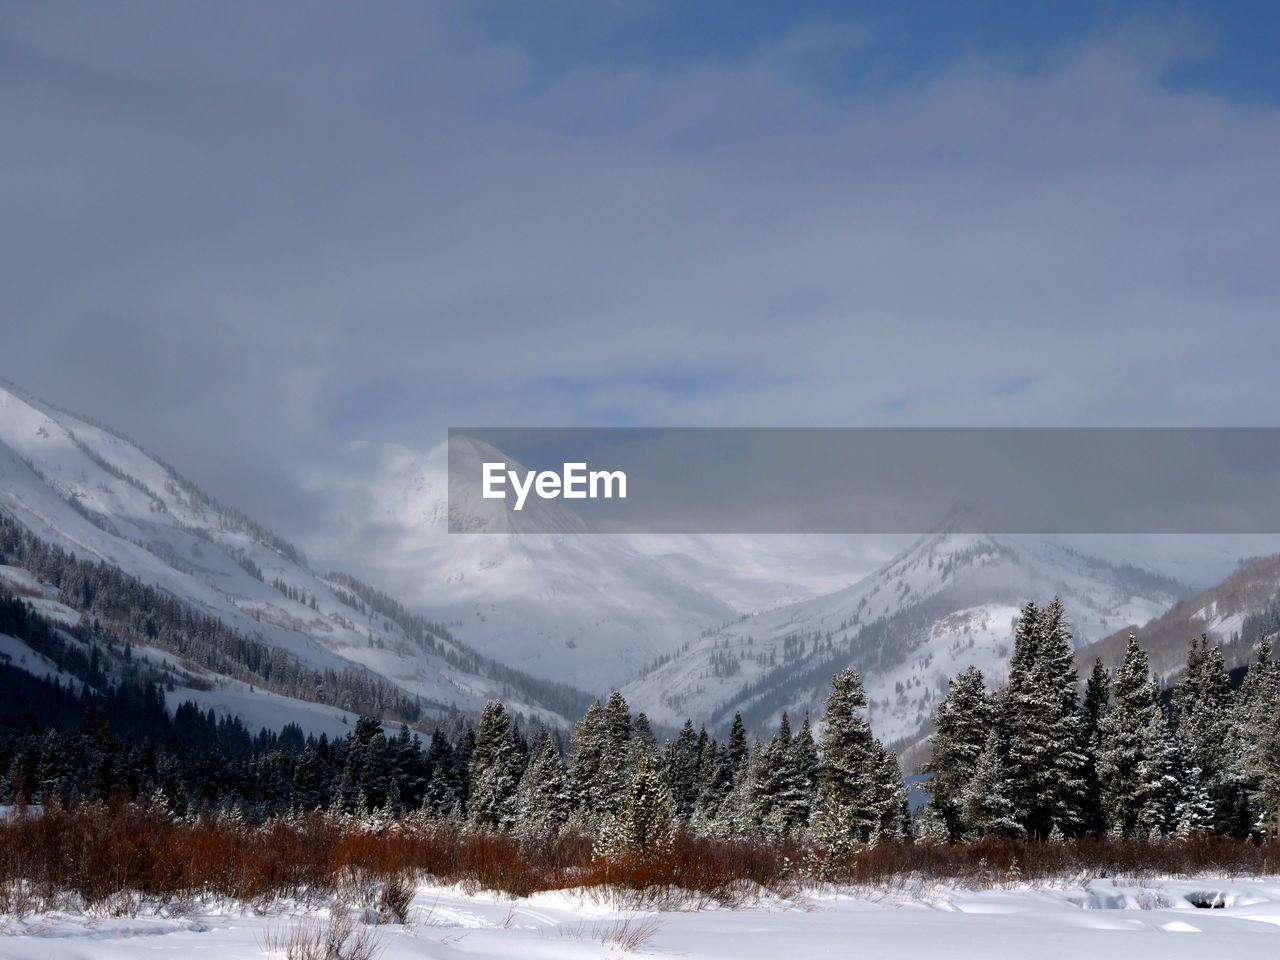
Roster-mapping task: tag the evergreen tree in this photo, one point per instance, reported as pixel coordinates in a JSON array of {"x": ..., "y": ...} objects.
[
  {"x": 309, "y": 790},
  {"x": 1132, "y": 755},
  {"x": 591, "y": 793},
  {"x": 784, "y": 799},
  {"x": 715, "y": 780},
  {"x": 1097, "y": 700},
  {"x": 1254, "y": 744},
  {"x": 983, "y": 804},
  {"x": 858, "y": 798},
  {"x": 737, "y": 744},
  {"x": 619, "y": 753},
  {"x": 1159, "y": 796},
  {"x": 1040, "y": 719},
  {"x": 680, "y": 759},
  {"x": 962, "y": 723},
  {"x": 493, "y": 770},
  {"x": 645, "y": 820},
  {"x": 1202, "y": 712},
  {"x": 542, "y": 798}
]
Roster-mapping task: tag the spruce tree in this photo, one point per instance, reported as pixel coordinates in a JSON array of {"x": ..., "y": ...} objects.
[
  {"x": 784, "y": 800},
  {"x": 680, "y": 758},
  {"x": 962, "y": 721},
  {"x": 587, "y": 751},
  {"x": 1254, "y": 744},
  {"x": 645, "y": 821},
  {"x": 1132, "y": 754},
  {"x": 1045, "y": 757},
  {"x": 542, "y": 797},
  {"x": 619, "y": 754},
  {"x": 715, "y": 780},
  {"x": 737, "y": 744},
  {"x": 1202, "y": 712},
  {"x": 857, "y": 798},
  {"x": 983, "y": 805},
  {"x": 1097, "y": 701},
  {"x": 493, "y": 770}
]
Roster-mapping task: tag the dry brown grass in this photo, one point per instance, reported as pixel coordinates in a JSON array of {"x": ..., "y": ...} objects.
[{"x": 113, "y": 858}]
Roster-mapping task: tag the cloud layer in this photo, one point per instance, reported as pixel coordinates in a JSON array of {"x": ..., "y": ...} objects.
[{"x": 252, "y": 235}]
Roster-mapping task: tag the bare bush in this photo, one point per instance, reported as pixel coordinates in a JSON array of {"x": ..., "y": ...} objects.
[
  {"x": 341, "y": 938},
  {"x": 397, "y": 895},
  {"x": 629, "y": 933}
]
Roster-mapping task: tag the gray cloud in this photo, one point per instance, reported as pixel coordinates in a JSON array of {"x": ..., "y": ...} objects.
[{"x": 249, "y": 235}]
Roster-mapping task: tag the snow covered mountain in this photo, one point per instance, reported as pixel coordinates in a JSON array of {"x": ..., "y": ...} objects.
[
  {"x": 82, "y": 488},
  {"x": 946, "y": 602},
  {"x": 593, "y": 610},
  {"x": 1233, "y": 613}
]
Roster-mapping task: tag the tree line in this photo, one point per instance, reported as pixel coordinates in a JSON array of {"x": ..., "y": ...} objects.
[{"x": 1035, "y": 759}]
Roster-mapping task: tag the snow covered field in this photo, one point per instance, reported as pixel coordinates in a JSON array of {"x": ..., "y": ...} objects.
[{"x": 1131, "y": 919}]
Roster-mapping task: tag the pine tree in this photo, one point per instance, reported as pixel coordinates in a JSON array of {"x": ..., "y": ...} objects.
[
  {"x": 1254, "y": 745},
  {"x": 1097, "y": 701},
  {"x": 1132, "y": 755},
  {"x": 784, "y": 799},
  {"x": 645, "y": 820},
  {"x": 737, "y": 744},
  {"x": 1040, "y": 719},
  {"x": 587, "y": 751},
  {"x": 493, "y": 770},
  {"x": 857, "y": 798},
  {"x": 680, "y": 758},
  {"x": 619, "y": 752},
  {"x": 1202, "y": 711},
  {"x": 741, "y": 814},
  {"x": 308, "y": 791},
  {"x": 962, "y": 722},
  {"x": 1159, "y": 796},
  {"x": 715, "y": 780},
  {"x": 983, "y": 805},
  {"x": 542, "y": 798}
]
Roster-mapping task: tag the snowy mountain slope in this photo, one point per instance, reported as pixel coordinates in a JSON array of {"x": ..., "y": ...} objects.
[
  {"x": 946, "y": 602},
  {"x": 591, "y": 610},
  {"x": 80, "y": 487},
  {"x": 1222, "y": 611}
]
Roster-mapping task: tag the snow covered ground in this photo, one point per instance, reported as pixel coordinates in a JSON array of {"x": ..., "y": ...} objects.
[{"x": 1132, "y": 919}]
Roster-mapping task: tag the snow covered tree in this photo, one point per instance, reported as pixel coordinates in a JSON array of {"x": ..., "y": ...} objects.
[
  {"x": 737, "y": 744},
  {"x": 680, "y": 759},
  {"x": 1097, "y": 701},
  {"x": 715, "y": 780},
  {"x": 592, "y": 795},
  {"x": 741, "y": 815},
  {"x": 1255, "y": 742},
  {"x": 645, "y": 821},
  {"x": 983, "y": 804},
  {"x": 1202, "y": 712},
  {"x": 619, "y": 754},
  {"x": 542, "y": 797},
  {"x": 859, "y": 798},
  {"x": 962, "y": 723},
  {"x": 1159, "y": 794},
  {"x": 493, "y": 770},
  {"x": 784, "y": 800},
  {"x": 1132, "y": 754},
  {"x": 1040, "y": 720},
  {"x": 807, "y": 751}
]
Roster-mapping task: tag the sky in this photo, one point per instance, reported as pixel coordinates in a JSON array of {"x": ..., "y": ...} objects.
[{"x": 265, "y": 239}]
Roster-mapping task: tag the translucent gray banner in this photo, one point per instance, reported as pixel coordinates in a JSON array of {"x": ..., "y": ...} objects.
[{"x": 864, "y": 480}]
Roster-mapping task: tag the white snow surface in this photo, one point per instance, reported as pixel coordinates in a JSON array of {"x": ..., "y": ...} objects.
[{"x": 1135, "y": 920}]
